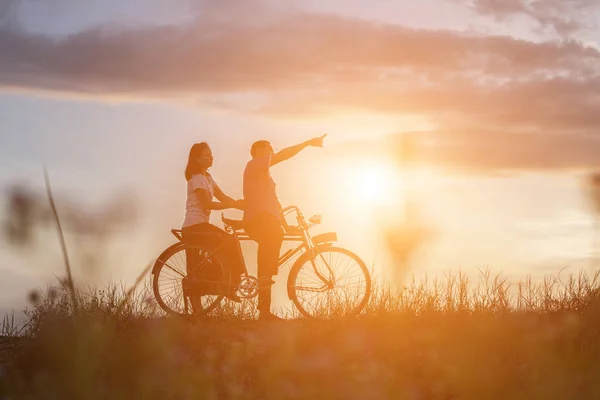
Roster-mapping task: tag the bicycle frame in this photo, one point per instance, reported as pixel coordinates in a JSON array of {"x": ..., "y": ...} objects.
[
  {"x": 304, "y": 238},
  {"x": 307, "y": 241}
]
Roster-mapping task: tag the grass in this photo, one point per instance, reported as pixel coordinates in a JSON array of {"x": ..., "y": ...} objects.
[
  {"x": 441, "y": 339},
  {"x": 448, "y": 338}
]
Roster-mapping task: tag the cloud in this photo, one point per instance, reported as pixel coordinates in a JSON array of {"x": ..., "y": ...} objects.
[
  {"x": 564, "y": 17},
  {"x": 488, "y": 151},
  {"x": 300, "y": 51},
  {"x": 8, "y": 13},
  {"x": 285, "y": 64},
  {"x": 502, "y": 151},
  {"x": 546, "y": 103}
]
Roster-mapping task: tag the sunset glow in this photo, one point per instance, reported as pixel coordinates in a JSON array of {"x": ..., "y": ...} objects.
[
  {"x": 299, "y": 199},
  {"x": 377, "y": 185},
  {"x": 114, "y": 95}
]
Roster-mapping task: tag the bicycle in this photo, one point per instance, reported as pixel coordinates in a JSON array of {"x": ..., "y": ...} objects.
[{"x": 315, "y": 274}]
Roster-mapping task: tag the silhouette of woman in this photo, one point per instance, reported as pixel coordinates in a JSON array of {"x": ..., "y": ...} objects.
[{"x": 201, "y": 189}]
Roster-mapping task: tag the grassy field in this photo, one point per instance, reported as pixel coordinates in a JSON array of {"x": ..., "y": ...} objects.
[{"x": 449, "y": 339}]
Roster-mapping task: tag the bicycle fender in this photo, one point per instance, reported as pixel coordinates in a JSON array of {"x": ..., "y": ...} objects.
[{"x": 328, "y": 237}]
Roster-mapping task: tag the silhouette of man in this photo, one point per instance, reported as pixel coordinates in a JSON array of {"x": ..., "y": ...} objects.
[{"x": 263, "y": 216}]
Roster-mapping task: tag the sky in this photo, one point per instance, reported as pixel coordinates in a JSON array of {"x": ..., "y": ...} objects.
[{"x": 499, "y": 97}]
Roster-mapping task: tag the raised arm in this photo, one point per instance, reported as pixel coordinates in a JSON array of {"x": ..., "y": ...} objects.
[{"x": 291, "y": 151}]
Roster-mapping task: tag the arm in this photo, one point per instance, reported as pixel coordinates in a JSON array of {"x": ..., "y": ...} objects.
[
  {"x": 206, "y": 201},
  {"x": 200, "y": 184},
  {"x": 291, "y": 151},
  {"x": 224, "y": 199}
]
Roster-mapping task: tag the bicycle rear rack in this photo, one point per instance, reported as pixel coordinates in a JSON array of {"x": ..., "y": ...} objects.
[{"x": 178, "y": 234}]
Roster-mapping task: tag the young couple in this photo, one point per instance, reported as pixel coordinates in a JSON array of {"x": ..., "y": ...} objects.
[{"x": 263, "y": 216}]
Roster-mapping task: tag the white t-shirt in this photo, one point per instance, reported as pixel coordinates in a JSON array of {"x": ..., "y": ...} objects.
[{"x": 194, "y": 212}]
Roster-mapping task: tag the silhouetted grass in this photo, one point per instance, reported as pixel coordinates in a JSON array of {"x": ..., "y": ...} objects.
[
  {"x": 445, "y": 338},
  {"x": 440, "y": 339}
]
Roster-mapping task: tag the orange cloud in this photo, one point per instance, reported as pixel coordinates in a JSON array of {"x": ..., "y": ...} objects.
[{"x": 491, "y": 150}]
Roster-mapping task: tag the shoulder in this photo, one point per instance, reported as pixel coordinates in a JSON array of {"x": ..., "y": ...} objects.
[
  {"x": 200, "y": 181},
  {"x": 210, "y": 179},
  {"x": 259, "y": 163}
]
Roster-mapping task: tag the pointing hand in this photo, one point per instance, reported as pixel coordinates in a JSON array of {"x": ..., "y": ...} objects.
[{"x": 317, "y": 142}]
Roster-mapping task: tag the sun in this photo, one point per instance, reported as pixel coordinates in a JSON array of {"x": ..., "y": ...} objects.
[
  {"x": 376, "y": 184},
  {"x": 364, "y": 187}
]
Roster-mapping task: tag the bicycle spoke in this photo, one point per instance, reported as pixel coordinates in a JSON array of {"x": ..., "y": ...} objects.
[
  {"x": 321, "y": 289},
  {"x": 348, "y": 294},
  {"x": 169, "y": 283}
]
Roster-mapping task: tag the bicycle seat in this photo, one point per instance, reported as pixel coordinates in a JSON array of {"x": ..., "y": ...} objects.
[{"x": 235, "y": 224}]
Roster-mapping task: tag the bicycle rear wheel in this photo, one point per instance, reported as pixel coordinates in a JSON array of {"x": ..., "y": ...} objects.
[
  {"x": 176, "y": 291},
  {"x": 333, "y": 283}
]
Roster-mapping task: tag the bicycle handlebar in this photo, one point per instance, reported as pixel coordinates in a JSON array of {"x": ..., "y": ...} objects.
[
  {"x": 302, "y": 223},
  {"x": 291, "y": 208}
]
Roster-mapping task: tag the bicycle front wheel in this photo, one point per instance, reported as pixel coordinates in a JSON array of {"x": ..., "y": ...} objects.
[{"x": 333, "y": 283}]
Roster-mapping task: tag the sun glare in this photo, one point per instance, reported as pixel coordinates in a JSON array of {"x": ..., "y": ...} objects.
[{"x": 377, "y": 183}]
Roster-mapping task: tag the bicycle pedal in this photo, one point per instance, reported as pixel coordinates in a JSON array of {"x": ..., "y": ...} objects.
[{"x": 233, "y": 297}]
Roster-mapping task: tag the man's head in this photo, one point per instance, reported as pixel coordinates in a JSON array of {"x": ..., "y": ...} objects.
[{"x": 261, "y": 148}]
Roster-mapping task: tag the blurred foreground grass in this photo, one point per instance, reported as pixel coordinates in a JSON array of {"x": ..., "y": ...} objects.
[{"x": 449, "y": 339}]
